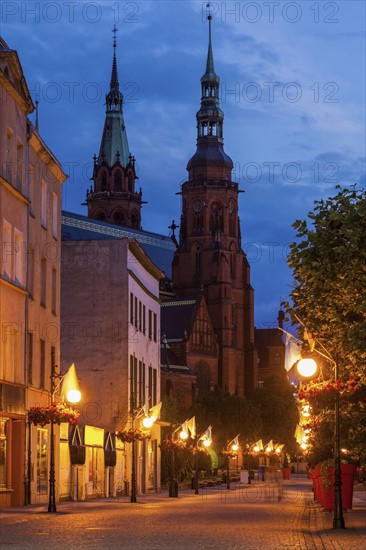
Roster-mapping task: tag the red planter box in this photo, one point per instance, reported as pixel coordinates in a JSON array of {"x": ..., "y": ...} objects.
[
  {"x": 348, "y": 472},
  {"x": 286, "y": 473}
]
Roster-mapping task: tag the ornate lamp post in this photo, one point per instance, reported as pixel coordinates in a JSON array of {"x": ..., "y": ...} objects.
[
  {"x": 307, "y": 368},
  {"x": 73, "y": 395}
]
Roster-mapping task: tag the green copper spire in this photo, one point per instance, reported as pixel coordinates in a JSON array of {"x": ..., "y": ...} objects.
[{"x": 114, "y": 145}]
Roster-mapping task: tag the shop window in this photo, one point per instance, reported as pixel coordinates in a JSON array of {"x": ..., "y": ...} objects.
[
  {"x": 3, "y": 457},
  {"x": 42, "y": 461}
]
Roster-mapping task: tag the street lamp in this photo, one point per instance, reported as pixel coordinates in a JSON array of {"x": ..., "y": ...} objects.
[
  {"x": 338, "y": 518},
  {"x": 232, "y": 446},
  {"x": 150, "y": 416},
  {"x": 71, "y": 390},
  {"x": 206, "y": 438}
]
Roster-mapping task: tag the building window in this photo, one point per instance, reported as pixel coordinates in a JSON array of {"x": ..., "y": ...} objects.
[
  {"x": 140, "y": 316},
  {"x": 42, "y": 364},
  {"x": 136, "y": 313},
  {"x": 43, "y": 281},
  {"x": 31, "y": 273},
  {"x": 44, "y": 204},
  {"x": 131, "y": 309},
  {"x": 3, "y": 455},
  {"x": 54, "y": 290},
  {"x": 144, "y": 319},
  {"x": 9, "y": 155},
  {"x": 150, "y": 324},
  {"x": 7, "y": 251},
  {"x": 19, "y": 177},
  {"x": 155, "y": 328},
  {"x": 42, "y": 461},
  {"x": 54, "y": 215},
  {"x": 32, "y": 185},
  {"x": 19, "y": 265},
  {"x": 152, "y": 386},
  {"x": 30, "y": 359},
  {"x": 140, "y": 382}
]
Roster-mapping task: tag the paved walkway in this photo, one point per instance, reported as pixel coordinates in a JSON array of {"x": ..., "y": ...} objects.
[{"x": 264, "y": 515}]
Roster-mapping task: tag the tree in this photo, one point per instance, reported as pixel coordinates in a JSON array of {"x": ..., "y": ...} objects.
[
  {"x": 328, "y": 262},
  {"x": 229, "y": 415},
  {"x": 278, "y": 410}
]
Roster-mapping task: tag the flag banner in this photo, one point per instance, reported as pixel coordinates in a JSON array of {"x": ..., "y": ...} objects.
[
  {"x": 258, "y": 444},
  {"x": 207, "y": 435},
  {"x": 191, "y": 423},
  {"x": 269, "y": 447},
  {"x": 155, "y": 411},
  {"x": 292, "y": 351},
  {"x": 234, "y": 441}
]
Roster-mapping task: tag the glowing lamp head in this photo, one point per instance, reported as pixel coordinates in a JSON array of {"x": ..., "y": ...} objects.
[
  {"x": 268, "y": 449},
  {"x": 304, "y": 446},
  {"x": 307, "y": 367},
  {"x": 235, "y": 447},
  {"x": 148, "y": 422},
  {"x": 73, "y": 396},
  {"x": 278, "y": 450},
  {"x": 206, "y": 442},
  {"x": 183, "y": 434},
  {"x": 256, "y": 449}
]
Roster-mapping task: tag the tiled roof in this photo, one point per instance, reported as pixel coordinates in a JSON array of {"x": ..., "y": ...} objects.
[
  {"x": 265, "y": 337},
  {"x": 177, "y": 317},
  {"x": 159, "y": 248}
]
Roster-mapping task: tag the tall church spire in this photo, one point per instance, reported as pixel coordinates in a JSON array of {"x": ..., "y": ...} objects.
[
  {"x": 210, "y": 161},
  {"x": 113, "y": 198},
  {"x": 209, "y": 254}
]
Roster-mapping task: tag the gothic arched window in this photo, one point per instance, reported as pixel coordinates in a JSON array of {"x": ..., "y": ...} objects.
[
  {"x": 103, "y": 180},
  {"x": 202, "y": 373},
  {"x": 118, "y": 180}
]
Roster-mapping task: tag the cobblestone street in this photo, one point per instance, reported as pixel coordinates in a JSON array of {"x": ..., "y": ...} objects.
[{"x": 260, "y": 516}]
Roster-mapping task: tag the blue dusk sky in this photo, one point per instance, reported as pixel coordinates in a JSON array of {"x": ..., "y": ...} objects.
[{"x": 292, "y": 90}]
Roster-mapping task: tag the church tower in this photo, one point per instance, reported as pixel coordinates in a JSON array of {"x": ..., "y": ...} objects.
[
  {"x": 113, "y": 198},
  {"x": 209, "y": 257}
]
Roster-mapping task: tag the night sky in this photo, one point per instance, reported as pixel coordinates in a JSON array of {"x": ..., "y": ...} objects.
[{"x": 292, "y": 90}]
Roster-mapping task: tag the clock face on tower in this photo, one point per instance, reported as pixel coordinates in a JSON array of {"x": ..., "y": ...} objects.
[{"x": 197, "y": 207}]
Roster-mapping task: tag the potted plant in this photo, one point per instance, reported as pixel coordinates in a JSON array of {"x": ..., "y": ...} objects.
[{"x": 285, "y": 468}]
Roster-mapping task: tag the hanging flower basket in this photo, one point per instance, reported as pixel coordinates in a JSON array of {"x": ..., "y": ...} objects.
[
  {"x": 54, "y": 413},
  {"x": 323, "y": 392},
  {"x": 173, "y": 444},
  {"x": 131, "y": 435},
  {"x": 194, "y": 450}
]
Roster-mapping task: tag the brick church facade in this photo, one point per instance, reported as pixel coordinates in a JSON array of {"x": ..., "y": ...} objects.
[{"x": 208, "y": 259}]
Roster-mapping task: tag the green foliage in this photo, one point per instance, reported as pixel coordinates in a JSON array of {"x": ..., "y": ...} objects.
[
  {"x": 276, "y": 403},
  {"x": 229, "y": 415},
  {"x": 328, "y": 261}
]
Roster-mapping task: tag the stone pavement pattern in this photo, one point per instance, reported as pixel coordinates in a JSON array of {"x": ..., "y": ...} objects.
[{"x": 257, "y": 517}]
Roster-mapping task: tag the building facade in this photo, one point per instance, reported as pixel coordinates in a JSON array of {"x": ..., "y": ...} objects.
[
  {"x": 209, "y": 256},
  {"x": 110, "y": 315},
  {"x": 30, "y": 235}
]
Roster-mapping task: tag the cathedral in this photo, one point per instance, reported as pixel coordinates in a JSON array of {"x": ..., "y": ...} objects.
[{"x": 206, "y": 261}]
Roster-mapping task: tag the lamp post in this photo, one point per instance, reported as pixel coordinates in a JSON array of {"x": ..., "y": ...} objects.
[
  {"x": 206, "y": 438},
  {"x": 150, "y": 416},
  {"x": 73, "y": 396},
  {"x": 338, "y": 518}
]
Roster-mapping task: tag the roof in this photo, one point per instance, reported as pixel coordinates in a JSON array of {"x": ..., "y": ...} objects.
[
  {"x": 265, "y": 337},
  {"x": 159, "y": 248},
  {"x": 170, "y": 362},
  {"x": 177, "y": 317}
]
